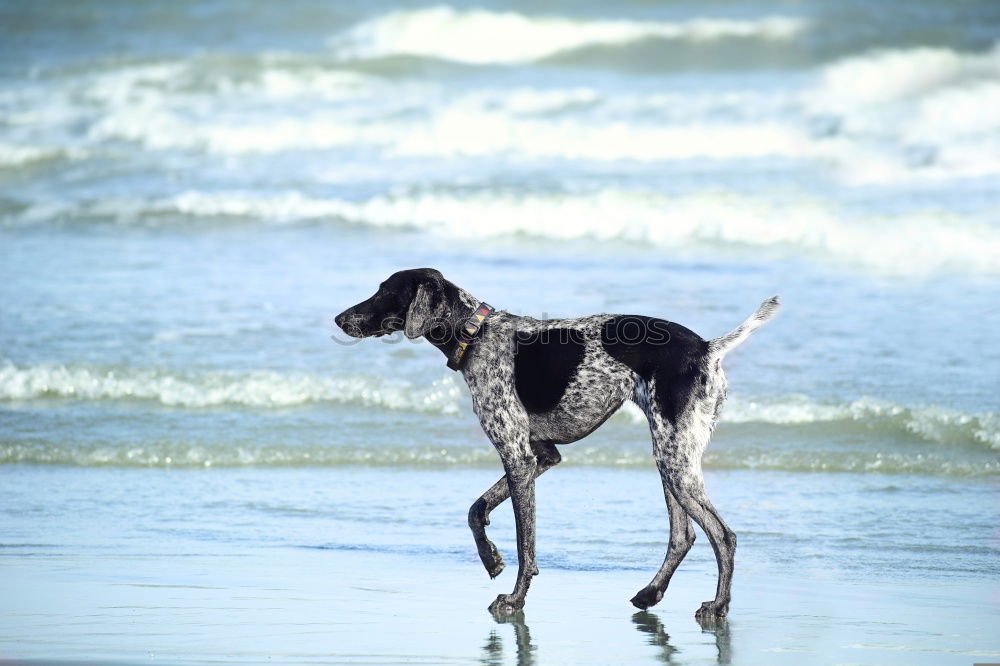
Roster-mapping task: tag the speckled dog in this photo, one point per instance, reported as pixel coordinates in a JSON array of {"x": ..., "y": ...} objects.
[{"x": 538, "y": 383}]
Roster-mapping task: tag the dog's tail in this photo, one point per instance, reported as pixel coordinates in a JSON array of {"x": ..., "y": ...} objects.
[{"x": 719, "y": 347}]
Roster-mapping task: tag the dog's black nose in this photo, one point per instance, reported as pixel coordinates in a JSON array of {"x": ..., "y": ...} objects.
[{"x": 341, "y": 318}]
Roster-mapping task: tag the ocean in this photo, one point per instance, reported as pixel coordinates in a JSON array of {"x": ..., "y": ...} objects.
[{"x": 190, "y": 191}]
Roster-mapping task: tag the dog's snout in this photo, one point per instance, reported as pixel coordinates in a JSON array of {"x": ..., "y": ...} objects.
[{"x": 341, "y": 319}]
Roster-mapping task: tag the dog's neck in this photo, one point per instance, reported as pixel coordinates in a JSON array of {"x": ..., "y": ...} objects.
[{"x": 463, "y": 306}]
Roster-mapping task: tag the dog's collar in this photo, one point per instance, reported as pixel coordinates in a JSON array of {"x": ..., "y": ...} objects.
[{"x": 468, "y": 331}]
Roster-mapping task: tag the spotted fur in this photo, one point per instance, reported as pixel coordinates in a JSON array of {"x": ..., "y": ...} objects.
[{"x": 672, "y": 374}]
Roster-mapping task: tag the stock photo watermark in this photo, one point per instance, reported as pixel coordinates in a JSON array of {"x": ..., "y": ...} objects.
[{"x": 628, "y": 330}]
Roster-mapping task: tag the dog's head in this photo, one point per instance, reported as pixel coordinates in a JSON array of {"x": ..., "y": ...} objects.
[{"x": 414, "y": 301}]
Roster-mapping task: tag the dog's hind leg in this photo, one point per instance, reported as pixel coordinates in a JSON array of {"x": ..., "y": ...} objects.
[
  {"x": 681, "y": 530},
  {"x": 546, "y": 457},
  {"x": 688, "y": 486},
  {"x": 678, "y": 456},
  {"x": 681, "y": 539},
  {"x": 678, "y": 445}
]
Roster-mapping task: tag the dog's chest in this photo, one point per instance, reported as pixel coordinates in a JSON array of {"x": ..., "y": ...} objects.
[{"x": 560, "y": 378}]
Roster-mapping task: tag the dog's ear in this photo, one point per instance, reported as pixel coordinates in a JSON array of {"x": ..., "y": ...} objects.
[{"x": 426, "y": 309}]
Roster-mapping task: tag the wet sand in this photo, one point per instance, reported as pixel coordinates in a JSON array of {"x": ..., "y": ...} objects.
[
  {"x": 363, "y": 608},
  {"x": 99, "y": 586}
]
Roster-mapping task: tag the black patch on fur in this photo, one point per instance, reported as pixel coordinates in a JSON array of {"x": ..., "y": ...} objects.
[
  {"x": 655, "y": 348},
  {"x": 544, "y": 364}
]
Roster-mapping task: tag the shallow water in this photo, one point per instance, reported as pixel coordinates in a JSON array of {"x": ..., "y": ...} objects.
[{"x": 188, "y": 193}]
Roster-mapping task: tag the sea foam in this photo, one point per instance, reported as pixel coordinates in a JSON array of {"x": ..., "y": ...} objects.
[
  {"x": 912, "y": 114},
  {"x": 446, "y": 397},
  {"x": 885, "y": 117},
  {"x": 260, "y": 389},
  {"x": 921, "y": 242},
  {"x": 887, "y": 75},
  {"x": 481, "y": 36}
]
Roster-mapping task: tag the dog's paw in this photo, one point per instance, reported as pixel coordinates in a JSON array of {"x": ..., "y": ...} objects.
[
  {"x": 506, "y": 604},
  {"x": 711, "y": 610},
  {"x": 497, "y": 567},
  {"x": 492, "y": 560},
  {"x": 646, "y": 597}
]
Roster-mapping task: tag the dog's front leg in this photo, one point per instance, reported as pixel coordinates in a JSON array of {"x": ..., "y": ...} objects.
[
  {"x": 479, "y": 518},
  {"x": 546, "y": 457},
  {"x": 505, "y": 422},
  {"x": 521, "y": 481}
]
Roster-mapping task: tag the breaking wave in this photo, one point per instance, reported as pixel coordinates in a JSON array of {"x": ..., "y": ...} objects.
[
  {"x": 912, "y": 113},
  {"x": 479, "y": 36},
  {"x": 20, "y": 155},
  {"x": 920, "y": 242},
  {"x": 927, "y": 423},
  {"x": 888, "y": 75},
  {"x": 883, "y": 117},
  {"x": 271, "y": 390},
  {"x": 261, "y": 389}
]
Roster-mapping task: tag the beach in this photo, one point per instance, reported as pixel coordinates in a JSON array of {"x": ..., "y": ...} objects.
[
  {"x": 314, "y": 566},
  {"x": 197, "y": 466}
]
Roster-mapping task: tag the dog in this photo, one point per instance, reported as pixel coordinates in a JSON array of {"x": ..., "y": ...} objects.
[{"x": 539, "y": 383}]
